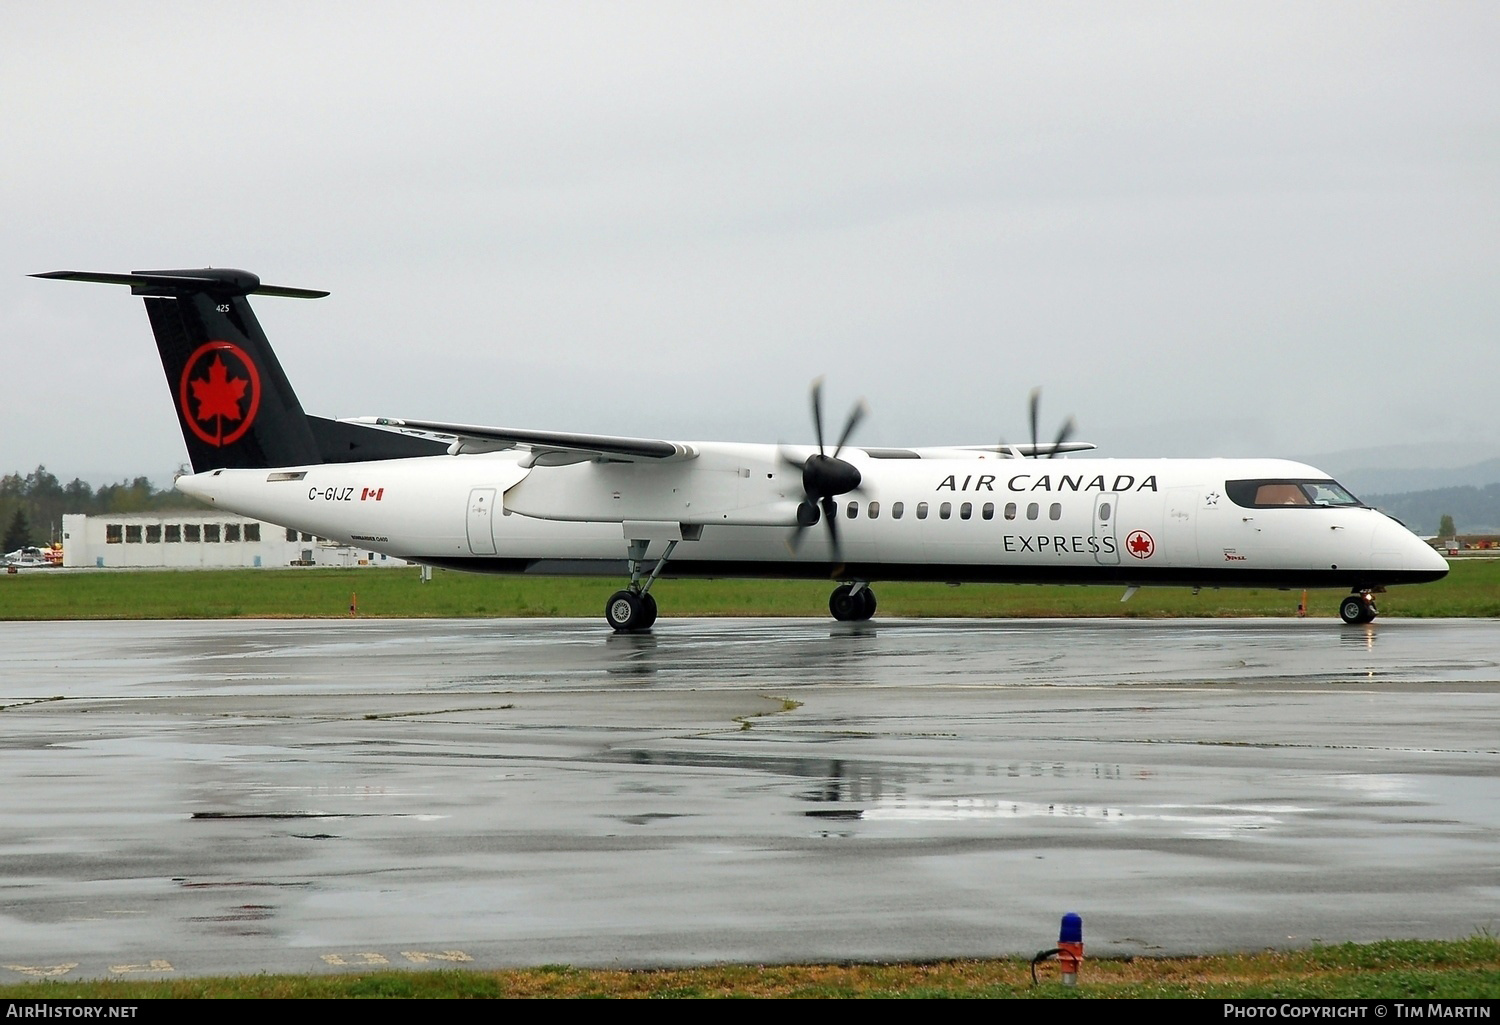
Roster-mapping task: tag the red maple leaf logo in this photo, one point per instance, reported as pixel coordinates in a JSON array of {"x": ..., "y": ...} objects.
[
  {"x": 218, "y": 395},
  {"x": 219, "y": 408},
  {"x": 1140, "y": 545}
]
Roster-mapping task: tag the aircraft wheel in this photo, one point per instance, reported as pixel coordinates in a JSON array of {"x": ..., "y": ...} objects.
[
  {"x": 648, "y": 612},
  {"x": 627, "y": 612},
  {"x": 867, "y": 600},
  {"x": 1357, "y": 608},
  {"x": 845, "y": 605}
]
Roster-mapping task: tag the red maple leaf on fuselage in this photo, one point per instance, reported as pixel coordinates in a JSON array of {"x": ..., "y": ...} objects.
[
  {"x": 218, "y": 395},
  {"x": 1140, "y": 544}
]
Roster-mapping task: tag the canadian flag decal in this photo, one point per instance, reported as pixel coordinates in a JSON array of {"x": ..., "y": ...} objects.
[{"x": 372, "y": 493}]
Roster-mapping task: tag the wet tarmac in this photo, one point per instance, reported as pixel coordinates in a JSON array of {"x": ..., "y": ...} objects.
[{"x": 196, "y": 798}]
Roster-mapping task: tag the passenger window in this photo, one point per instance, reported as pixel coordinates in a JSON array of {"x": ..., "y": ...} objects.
[
  {"x": 1010, "y": 510},
  {"x": 874, "y": 510},
  {"x": 966, "y": 510},
  {"x": 853, "y": 511},
  {"x": 989, "y": 510},
  {"x": 1033, "y": 511},
  {"x": 1056, "y": 511},
  {"x": 945, "y": 510},
  {"x": 921, "y": 510},
  {"x": 897, "y": 508},
  {"x": 1104, "y": 511}
]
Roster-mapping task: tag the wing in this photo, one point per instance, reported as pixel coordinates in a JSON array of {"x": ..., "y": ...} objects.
[{"x": 547, "y": 448}]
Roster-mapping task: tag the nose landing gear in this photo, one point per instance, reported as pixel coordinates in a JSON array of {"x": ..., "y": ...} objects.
[{"x": 1358, "y": 608}]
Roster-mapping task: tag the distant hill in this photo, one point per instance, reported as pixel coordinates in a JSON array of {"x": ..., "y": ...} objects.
[{"x": 1474, "y": 510}]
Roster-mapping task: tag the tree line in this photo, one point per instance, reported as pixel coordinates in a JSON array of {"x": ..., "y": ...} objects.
[{"x": 32, "y": 505}]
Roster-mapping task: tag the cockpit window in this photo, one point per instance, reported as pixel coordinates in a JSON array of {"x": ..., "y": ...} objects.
[{"x": 1273, "y": 494}]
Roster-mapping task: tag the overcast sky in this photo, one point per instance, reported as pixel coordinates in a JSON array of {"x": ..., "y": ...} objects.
[{"x": 1203, "y": 229}]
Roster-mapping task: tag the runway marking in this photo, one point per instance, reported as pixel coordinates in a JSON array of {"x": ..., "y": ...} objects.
[
  {"x": 44, "y": 971},
  {"x": 367, "y": 958},
  {"x": 150, "y": 966},
  {"x": 423, "y": 956}
]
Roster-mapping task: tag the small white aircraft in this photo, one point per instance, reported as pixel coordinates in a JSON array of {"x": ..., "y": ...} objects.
[{"x": 522, "y": 501}]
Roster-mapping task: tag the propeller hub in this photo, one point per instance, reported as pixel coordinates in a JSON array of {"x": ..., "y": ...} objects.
[{"x": 828, "y": 476}]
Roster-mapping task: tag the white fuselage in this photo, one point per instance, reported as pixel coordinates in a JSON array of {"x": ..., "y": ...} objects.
[{"x": 950, "y": 516}]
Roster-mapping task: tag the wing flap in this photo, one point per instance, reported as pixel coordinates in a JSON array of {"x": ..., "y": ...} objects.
[{"x": 545, "y": 446}]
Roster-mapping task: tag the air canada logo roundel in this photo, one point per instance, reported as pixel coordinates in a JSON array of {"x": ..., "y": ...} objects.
[
  {"x": 220, "y": 393},
  {"x": 1140, "y": 545}
]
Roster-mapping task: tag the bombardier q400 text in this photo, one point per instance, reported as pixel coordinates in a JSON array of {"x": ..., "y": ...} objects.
[{"x": 522, "y": 501}]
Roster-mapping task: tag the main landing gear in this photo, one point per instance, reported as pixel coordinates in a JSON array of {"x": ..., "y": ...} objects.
[
  {"x": 633, "y": 610},
  {"x": 852, "y": 603},
  {"x": 1358, "y": 608}
]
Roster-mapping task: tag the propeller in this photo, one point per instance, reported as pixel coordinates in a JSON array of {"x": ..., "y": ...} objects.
[
  {"x": 824, "y": 476},
  {"x": 1063, "y": 434}
]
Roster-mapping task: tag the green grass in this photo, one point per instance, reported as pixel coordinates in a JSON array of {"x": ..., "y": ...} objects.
[
  {"x": 1392, "y": 969},
  {"x": 1472, "y": 589}
]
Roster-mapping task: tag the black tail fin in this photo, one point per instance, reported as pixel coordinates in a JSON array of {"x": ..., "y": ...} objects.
[{"x": 234, "y": 403}]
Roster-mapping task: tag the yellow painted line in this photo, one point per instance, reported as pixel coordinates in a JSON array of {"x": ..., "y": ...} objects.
[
  {"x": 364, "y": 959},
  {"x": 423, "y": 956},
  {"x": 44, "y": 971}
]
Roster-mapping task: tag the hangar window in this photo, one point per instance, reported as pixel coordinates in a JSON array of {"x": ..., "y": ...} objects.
[
  {"x": 874, "y": 510},
  {"x": 945, "y": 510},
  {"x": 252, "y": 532},
  {"x": 231, "y": 532},
  {"x": 153, "y": 533},
  {"x": 211, "y": 533},
  {"x": 1272, "y": 494},
  {"x": 306, "y": 537},
  {"x": 921, "y": 510},
  {"x": 1010, "y": 510},
  {"x": 897, "y": 508},
  {"x": 1055, "y": 512},
  {"x": 989, "y": 510},
  {"x": 191, "y": 532},
  {"x": 174, "y": 533},
  {"x": 966, "y": 511},
  {"x": 133, "y": 534},
  {"x": 114, "y": 533},
  {"x": 291, "y": 535}
]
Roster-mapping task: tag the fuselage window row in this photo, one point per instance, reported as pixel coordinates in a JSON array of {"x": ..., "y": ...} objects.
[{"x": 945, "y": 511}]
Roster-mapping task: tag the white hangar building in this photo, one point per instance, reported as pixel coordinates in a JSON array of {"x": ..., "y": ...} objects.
[{"x": 206, "y": 540}]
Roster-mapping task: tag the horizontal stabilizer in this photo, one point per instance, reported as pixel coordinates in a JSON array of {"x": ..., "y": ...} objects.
[{"x": 222, "y": 281}]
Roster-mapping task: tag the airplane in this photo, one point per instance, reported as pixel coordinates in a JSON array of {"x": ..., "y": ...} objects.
[{"x": 505, "y": 500}]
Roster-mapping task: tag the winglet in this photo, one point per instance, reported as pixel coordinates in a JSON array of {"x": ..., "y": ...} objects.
[{"x": 221, "y": 281}]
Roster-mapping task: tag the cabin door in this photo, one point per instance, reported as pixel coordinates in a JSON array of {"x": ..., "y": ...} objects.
[{"x": 1106, "y": 515}]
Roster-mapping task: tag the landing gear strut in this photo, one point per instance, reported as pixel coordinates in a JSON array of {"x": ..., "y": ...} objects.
[
  {"x": 1358, "y": 608},
  {"x": 633, "y": 610},
  {"x": 852, "y": 603}
]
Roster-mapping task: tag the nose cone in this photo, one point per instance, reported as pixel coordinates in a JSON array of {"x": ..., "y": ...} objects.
[
  {"x": 1419, "y": 560},
  {"x": 1429, "y": 559}
]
